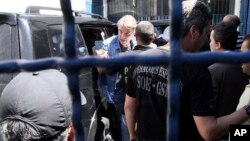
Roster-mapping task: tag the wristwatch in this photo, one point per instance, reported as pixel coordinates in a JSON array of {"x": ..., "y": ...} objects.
[{"x": 247, "y": 108}]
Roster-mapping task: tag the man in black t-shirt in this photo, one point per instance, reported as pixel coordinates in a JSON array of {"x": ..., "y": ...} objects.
[
  {"x": 148, "y": 85},
  {"x": 146, "y": 98},
  {"x": 228, "y": 79}
]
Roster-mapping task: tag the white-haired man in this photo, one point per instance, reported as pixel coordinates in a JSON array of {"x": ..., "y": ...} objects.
[{"x": 112, "y": 83}]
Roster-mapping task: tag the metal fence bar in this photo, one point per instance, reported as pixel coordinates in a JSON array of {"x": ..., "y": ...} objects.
[
  {"x": 72, "y": 74},
  {"x": 217, "y": 18},
  {"x": 173, "y": 103},
  {"x": 120, "y": 61}
]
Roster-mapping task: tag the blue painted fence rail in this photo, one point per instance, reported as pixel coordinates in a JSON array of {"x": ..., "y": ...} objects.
[
  {"x": 72, "y": 74},
  {"x": 77, "y": 63}
]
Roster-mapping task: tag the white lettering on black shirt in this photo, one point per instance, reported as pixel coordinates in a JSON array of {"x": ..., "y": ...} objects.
[{"x": 143, "y": 76}]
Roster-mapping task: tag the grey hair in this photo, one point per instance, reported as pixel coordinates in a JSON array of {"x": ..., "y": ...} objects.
[{"x": 127, "y": 21}]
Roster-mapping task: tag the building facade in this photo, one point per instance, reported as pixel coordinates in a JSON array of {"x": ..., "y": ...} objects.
[{"x": 159, "y": 9}]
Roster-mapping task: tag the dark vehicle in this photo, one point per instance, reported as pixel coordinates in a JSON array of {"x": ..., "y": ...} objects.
[{"x": 33, "y": 35}]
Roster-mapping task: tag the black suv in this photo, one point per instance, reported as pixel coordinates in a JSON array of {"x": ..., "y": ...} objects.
[{"x": 33, "y": 35}]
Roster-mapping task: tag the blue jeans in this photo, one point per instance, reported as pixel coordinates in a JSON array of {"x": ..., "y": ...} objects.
[{"x": 121, "y": 121}]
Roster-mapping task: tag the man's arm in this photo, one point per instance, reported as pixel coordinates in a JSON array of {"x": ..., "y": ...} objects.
[
  {"x": 103, "y": 54},
  {"x": 211, "y": 128},
  {"x": 130, "y": 109}
]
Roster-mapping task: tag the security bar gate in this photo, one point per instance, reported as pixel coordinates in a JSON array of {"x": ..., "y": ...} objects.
[{"x": 73, "y": 64}]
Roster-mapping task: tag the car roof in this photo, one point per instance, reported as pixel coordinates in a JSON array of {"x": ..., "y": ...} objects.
[
  {"x": 32, "y": 13},
  {"x": 11, "y": 19},
  {"x": 47, "y": 19}
]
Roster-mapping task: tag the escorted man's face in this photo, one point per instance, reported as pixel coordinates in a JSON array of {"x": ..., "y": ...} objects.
[{"x": 125, "y": 35}]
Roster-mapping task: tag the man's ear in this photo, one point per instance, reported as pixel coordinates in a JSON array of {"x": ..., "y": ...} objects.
[
  {"x": 153, "y": 37},
  {"x": 194, "y": 32},
  {"x": 218, "y": 46}
]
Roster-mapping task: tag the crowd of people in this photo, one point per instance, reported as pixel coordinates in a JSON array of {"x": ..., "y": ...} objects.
[{"x": 213, "y": 96}]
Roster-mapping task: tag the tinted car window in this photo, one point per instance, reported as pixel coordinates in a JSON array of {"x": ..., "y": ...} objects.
[
  {"x": 92, "y": 35},
  {"x": 55, "y": 39}
]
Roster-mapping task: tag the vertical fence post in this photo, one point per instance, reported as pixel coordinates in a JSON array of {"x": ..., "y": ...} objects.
[
  {"x": 72, "y": 74},
  {"x": 174, "y": 77}
]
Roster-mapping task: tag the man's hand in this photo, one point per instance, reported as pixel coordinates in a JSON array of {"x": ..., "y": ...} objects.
[{"x": 102, "y": 53}]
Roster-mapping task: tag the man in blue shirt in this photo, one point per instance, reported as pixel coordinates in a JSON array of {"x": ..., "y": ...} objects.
[{"x": 111, "y": 82}]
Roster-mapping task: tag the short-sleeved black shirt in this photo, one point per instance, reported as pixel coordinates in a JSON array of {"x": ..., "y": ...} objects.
[
  {"x": 149, "y": 85},
  {"x": 229, "y": 83}
]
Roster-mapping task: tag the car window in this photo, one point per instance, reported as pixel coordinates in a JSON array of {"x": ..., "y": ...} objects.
[
  {"x": 92, "y": 35},
  {"x": 55, "y": 41}
]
